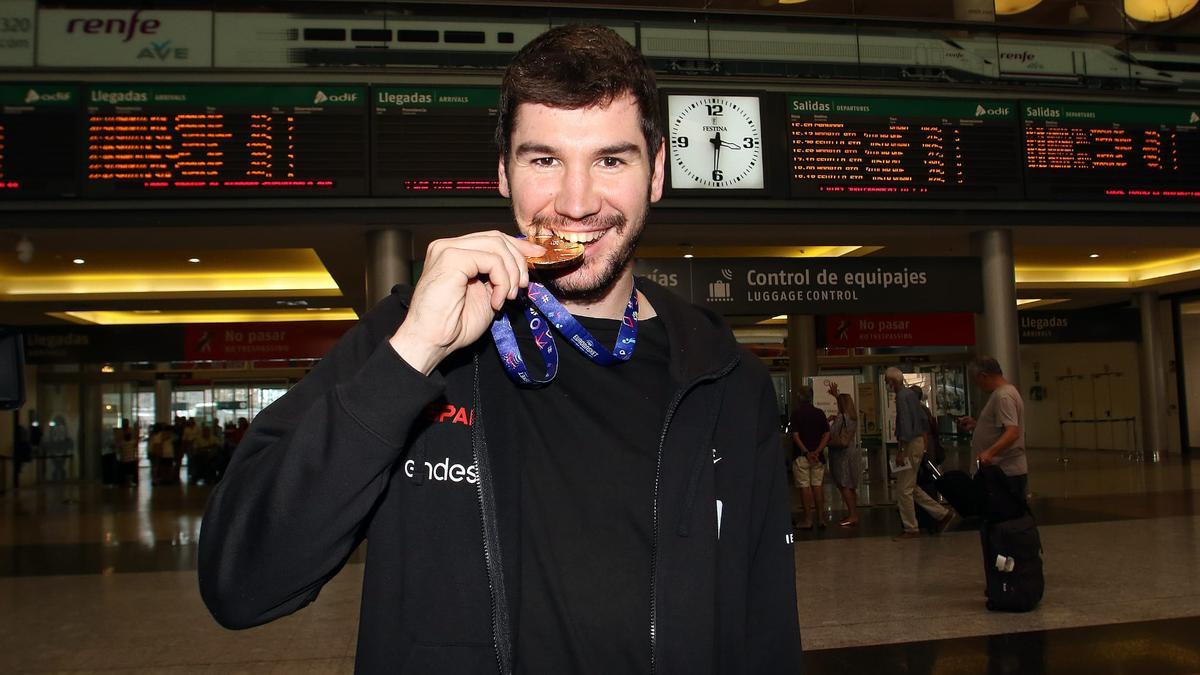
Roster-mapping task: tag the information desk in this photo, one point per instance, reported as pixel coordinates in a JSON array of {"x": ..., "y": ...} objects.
[
  {"x": 919, "y": 148},
  {"x": 185, "y": 139},
  {"x": 1081, "y": 151},
  {"x": 434, "y": 141},
  {"x": 39, "y": 139}
]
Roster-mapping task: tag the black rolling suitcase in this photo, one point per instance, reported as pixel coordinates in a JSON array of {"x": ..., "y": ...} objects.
[
  {"x": 962, "y": 492},
  {"x": 1012, "y": 546},
  {"x": 1013, "y": 560}
]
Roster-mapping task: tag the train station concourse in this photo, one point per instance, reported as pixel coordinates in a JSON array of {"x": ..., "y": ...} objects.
[{"x": 968, "y": 226}]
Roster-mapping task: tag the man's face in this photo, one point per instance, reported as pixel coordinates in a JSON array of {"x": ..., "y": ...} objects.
[{"x": 586, "y": 176}]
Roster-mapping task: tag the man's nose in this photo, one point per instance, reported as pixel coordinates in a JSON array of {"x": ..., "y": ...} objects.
[{"x": 577, "y": 196}]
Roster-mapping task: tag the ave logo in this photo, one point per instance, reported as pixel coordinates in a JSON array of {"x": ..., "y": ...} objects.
[{"x": 163, "y": 51}]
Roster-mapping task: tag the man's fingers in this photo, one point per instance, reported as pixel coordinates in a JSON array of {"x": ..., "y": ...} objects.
[{"x": 475, "y": 263}]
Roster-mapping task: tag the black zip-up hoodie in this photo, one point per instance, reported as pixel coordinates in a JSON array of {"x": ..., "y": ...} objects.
[{"x": 365, "y": 447}]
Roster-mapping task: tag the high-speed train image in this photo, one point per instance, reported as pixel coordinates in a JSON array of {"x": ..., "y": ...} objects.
[{"x": 270, "y": 40}]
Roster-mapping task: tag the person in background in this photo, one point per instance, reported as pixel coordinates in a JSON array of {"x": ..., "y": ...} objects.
[
  {"x": 202, "y": 462},
  {"x": 845, "y": 457},
  {"x": 912, "y": 427},
  {"x": 810, "y": 435},
  {"x": 187, "y": 439},
  {"x": 127, "y": 451}
]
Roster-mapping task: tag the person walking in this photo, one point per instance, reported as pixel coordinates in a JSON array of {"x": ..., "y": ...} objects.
[{"x": 912, "y": 427}]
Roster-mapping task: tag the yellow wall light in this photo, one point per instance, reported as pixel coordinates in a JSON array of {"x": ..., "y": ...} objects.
[
  {"x": 1015, "y": 6},
  {"x": 1152, "y": 11}
]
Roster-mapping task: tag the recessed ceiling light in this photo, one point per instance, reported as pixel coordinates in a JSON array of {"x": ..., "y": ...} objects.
[
  {"x": 689, "y": 256},
  {"x": 1094, "y": 255},
  {"x": 79, "y": 261},
  {"x": 193, "y": 260}
]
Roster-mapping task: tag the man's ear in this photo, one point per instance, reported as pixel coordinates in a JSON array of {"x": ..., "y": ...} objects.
[
  {"x": 502, "y": 172},
  {"x": 656, "y": 179}
]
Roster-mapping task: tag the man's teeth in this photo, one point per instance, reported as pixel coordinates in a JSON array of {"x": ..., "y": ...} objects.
[{"x": 581, "y": 237}]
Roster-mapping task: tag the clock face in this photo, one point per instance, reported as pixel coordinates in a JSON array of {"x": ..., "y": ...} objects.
[{"x": 716, "y": 142}]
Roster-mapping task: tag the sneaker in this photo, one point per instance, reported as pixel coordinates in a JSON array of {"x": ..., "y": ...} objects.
[
  {"x": 906, "y": 535},
  {"x": 945, "y": 522}
]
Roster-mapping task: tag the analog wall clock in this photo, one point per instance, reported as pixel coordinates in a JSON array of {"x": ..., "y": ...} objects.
[{"x": 715, "y": 142}]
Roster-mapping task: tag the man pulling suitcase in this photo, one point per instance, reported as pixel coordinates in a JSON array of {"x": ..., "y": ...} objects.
[{"x": 1012, "y": 552}]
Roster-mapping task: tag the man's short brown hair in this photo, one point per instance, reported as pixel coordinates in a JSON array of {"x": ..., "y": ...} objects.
[{"x": 578, "y": 66}]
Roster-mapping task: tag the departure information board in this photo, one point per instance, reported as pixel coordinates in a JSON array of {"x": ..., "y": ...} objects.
[
  {"x": 191, "y": 139},
  {"x": 434, "y": 141},
  {"x": 39, "y": 138},
  {"x": 904, "y": 148},
  {"x": 1111, "y": 152}
]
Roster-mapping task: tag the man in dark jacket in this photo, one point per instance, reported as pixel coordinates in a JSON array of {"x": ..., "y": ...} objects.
[{"x": 628, "y": 516}]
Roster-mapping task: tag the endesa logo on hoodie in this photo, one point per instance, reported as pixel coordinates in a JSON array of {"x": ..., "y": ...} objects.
[{"x": 445, "y": 471}]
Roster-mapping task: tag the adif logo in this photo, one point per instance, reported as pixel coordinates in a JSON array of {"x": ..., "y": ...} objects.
[
  {"x": 981, "y": 111},
  {"x": 721, "y": 290},
  {"x": 322, "y": 97},
  {"x": 445, "y": 471},
  {"x": 1194, "y": 118},
  {"x": 32, "y": 96}
]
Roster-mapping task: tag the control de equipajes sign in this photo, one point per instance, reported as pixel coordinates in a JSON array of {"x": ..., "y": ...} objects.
[{"x": 770, "y": 286}]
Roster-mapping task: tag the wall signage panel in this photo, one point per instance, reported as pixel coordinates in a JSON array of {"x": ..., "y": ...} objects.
[
  {"x": 124, "y": 38},
  {"x": 434, "y": 141},
  {"x": 39, "y": 134},
  {"x": 771, "y": 286},
  {"x": 1085, "y": 151},
  {"x": 188, "y": 139},
  {"x": 907, "y": 148},
  {"x": 899, "y": 330},
  {"x": 18, "y": 19},
  {"x": 1083, "y": 325}
]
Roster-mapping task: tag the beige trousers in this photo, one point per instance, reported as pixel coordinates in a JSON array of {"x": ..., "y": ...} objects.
[{"x": 907, "y": 491}]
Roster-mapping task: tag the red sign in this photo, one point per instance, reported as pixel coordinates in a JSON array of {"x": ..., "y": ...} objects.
[
  {"x": 262, "y": 341},
  {"x": 899, "y": 330}
]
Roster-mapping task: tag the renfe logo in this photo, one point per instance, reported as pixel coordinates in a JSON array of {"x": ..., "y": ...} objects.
[{"x": 134, "y": 25}]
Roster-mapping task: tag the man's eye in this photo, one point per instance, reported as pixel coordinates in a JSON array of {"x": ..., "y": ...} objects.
[
  {"x": 611, "y": 162},
  {"x": 543, "y": 161}
]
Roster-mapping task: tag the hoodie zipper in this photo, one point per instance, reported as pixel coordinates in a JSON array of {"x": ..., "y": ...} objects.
[
  {"x": 662, "y": 442},
  {"x": 491, "y": 552}
]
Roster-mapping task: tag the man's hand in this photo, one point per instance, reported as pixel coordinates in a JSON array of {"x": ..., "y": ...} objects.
[
  {"x": 814, "y": 458},
  {"x": 967, "y": 423},
  {"x": 466, "y": 280},
  {"x": 985, "y": 457},
  {"x": 901, "y": 458}
]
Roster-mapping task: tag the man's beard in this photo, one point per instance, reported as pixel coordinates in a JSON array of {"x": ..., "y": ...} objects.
[{"x": 566, "y": 285}]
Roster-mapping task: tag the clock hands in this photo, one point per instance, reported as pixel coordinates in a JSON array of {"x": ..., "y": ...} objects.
[{"x": 717, "y": 144}]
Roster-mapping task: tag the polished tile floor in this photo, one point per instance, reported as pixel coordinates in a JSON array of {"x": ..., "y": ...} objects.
[{"x": 97, "y": 579}]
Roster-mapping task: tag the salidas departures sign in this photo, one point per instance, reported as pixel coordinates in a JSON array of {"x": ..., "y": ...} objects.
[{"x": 770, "y": 286}]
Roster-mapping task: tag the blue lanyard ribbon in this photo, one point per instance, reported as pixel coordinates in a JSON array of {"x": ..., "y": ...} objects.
[{"x": 543, "y": 311}]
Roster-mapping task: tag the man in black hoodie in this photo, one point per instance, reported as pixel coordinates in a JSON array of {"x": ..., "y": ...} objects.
[{"x": 618, "y": 511}]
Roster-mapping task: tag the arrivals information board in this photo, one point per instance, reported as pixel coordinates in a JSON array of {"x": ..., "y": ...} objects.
[
  {"x": 434, "y": 141},
  {"x": 190, "y": 139},
  {"x": 1087, "y": 151},
  {"x": 39, "y": 134},
  {"x": 904, "y": 148}
]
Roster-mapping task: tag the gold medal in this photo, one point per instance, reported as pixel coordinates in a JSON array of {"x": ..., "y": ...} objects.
[{"x": 559, "y": 252}]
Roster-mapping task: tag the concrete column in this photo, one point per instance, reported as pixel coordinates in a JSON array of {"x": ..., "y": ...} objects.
[
  {"x": 802, "y": 350},
  {"x": 996, "y": 333},
  {"x": 91, "y": 425},
  {"x": 162, "y": 401},
  {"x": 389, "y": 262},
  {"x": 1153, "y": 372}
]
